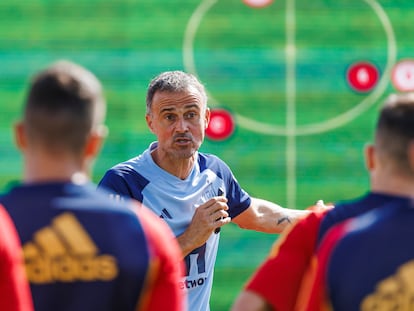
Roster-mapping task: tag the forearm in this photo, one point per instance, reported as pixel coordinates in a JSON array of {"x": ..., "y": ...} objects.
[
  {"x": 250, "y": 301},
  {"x": 275, "y": 219},
  {"x": 186, "y": 244},
  {"x": 266, "y": 216}
]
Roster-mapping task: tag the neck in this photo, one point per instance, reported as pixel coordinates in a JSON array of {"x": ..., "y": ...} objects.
[
  {"x": 50, "y": 168},
  {"x": 400, "y": 185},
  {"x": 179, "y": 167}
]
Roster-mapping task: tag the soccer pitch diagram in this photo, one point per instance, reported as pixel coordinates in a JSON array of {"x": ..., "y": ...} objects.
[
  {"x": 369, "y": 78},
  {"x": 294, "y": 88}
]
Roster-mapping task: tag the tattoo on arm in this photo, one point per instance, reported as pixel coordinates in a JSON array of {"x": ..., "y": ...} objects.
[{"x": 283, "y": 219}]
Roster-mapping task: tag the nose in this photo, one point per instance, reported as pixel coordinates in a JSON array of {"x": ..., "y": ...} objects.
[{"x": 181, "y": 125}]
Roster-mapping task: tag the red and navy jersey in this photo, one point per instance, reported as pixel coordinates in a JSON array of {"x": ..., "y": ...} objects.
[
  {"x": 279, "y": 278},
  {"x": 14, "y": 288},
  {"x": 83, "y": 251},
  {"x": 367, "y": 262},
  {"x": 353, "y": 208},
  {"x": 292, "y": 256}
]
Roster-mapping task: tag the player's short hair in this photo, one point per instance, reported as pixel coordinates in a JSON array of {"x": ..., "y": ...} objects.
[
  {"x": 174, "y": 81},
  {"x": 63, "y": 105},
  {"x": 395, "y": 130}
]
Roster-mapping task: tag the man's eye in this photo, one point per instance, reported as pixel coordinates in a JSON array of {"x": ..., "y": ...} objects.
[
  {"x": 169, "y": 117},
  {"x": 190, "y": 115}
]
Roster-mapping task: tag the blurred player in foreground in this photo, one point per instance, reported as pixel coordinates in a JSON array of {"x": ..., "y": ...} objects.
[
  {"x": 81, "y": 250},
  {"x": 367, "y": 263},
  {"x": 14, "y": 288},
  {"x": 281, "y": 282},
  {"x": 195, "y": 193}
]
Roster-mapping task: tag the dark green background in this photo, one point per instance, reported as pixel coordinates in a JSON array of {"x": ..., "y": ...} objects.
[{"x": 239, "y": 54}]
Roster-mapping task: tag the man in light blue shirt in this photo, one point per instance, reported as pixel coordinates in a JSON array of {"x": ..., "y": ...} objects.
[{"x": 195, "y": 193}]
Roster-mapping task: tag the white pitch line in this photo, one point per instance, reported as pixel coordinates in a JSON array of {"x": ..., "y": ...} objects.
[
  {"x": 188, "y": 42},
  {"x": 290, "y": 51}
]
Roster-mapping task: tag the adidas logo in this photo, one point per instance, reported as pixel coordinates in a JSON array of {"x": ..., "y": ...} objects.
[
  {"x": 64, "y": 252},
  {"x": 165, "y": 214}
]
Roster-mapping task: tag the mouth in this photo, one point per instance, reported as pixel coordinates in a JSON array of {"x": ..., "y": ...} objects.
[{"x": 182, "y": 141}]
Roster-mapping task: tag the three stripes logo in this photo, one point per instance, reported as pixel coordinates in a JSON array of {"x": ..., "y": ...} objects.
[
  {"x": 165, "y": 214},
  {"x": 64, "y": 252}
]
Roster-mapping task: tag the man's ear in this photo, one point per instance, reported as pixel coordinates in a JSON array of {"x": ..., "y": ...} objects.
[
  {"x": 149, "y": 122},
  {"x": 20, "y": 138},
  {"x": 95, "y": 142},
  {"x": 369, "y": 153},
  {"x": 207, "y": 118}
]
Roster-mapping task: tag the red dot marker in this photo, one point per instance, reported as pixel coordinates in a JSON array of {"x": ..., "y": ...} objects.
[
  {"x": 362, "y": 76},
  {"x": 221, "y": 125},
  {"x": 402, "y": 76}
]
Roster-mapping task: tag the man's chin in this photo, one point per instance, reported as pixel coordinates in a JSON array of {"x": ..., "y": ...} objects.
[{"x": 185, "y": 153}]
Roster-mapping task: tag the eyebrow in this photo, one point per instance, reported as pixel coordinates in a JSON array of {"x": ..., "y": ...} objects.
[{"x": 189, "y": 106}]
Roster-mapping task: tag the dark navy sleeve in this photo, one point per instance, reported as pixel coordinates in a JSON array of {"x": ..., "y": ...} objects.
[
  {"x": 238, "y": 199},
  {"x": 124, "y": 181}
]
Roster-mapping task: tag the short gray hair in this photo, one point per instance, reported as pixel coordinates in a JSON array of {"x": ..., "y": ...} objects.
[{"x": 175, "y": 82}]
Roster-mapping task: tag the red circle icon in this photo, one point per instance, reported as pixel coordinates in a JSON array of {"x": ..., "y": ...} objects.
[
  {"x": 362, "y": 76},
  {"x": 402, "y": 75},
  {"x": 221, "y": 125},
  {"x": 258, "y": 3}
]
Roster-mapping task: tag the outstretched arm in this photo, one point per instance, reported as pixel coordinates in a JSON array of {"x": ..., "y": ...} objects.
[{"x": 266, "y": 216}]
